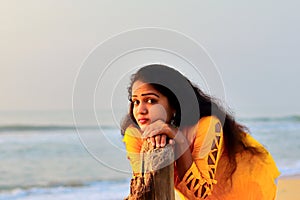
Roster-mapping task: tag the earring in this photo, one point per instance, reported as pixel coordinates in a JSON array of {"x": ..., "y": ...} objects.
[{"x": 172, "y": 122}]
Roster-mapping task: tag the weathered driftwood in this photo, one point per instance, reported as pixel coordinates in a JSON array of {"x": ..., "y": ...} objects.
[{"x": 156, "y": 180}]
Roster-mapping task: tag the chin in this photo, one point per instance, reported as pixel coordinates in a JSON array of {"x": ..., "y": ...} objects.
[{"x": 142, "y": 126}]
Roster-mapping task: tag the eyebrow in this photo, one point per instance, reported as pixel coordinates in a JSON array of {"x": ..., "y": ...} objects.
[{"x": 146, "y": 94}]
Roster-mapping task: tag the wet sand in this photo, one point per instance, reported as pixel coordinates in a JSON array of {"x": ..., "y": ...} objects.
[{"x": 288, "y": 188}]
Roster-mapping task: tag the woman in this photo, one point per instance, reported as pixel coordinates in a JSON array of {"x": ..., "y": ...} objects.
[{"x": 214, "y": 156}]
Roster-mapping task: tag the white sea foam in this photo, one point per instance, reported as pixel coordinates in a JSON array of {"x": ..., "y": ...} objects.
[{"x": 106, "y": 190}]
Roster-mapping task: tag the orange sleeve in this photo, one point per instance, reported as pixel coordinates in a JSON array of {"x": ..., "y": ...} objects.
[
  {"x": 198, "y": 181},
  {"x": 133, "y": 144}
]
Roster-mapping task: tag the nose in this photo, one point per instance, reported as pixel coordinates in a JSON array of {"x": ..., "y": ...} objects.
[{"x": 142, "y": 108}]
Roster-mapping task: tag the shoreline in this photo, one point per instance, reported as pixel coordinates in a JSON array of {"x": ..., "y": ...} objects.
[
  {"x": 293, "y": 176},
  {"x": 288, "y": 187}
]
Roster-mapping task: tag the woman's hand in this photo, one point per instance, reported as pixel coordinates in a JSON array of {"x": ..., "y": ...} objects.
[
  {"x": 158, "y": 132},
  {"x": 158, "y": 140}
]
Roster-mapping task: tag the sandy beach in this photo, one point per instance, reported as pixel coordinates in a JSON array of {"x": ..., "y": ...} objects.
[{"x": 288, "y": 188}]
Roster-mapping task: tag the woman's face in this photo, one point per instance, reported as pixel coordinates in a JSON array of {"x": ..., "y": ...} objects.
[{"x": 149, "y": 104}]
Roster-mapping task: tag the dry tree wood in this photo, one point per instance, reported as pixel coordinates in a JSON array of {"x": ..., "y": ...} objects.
[{"x": 156, "y": 180}]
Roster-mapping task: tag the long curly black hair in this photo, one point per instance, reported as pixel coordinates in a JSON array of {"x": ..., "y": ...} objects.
[{"x": 191, "y": 104}]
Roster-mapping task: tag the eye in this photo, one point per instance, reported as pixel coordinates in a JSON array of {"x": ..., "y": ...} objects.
[
  {"x": 135, "y": 102},
  {"x": 151, "y": 101}
]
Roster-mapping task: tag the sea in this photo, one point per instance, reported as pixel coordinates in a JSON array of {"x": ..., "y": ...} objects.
[{"x": 44, "y": 155}]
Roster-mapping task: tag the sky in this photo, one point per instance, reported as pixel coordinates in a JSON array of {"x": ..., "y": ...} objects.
[{"x": 254, "y": 45}]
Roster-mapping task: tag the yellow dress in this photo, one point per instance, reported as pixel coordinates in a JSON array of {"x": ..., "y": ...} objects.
[{"x": 254, "y": 177}]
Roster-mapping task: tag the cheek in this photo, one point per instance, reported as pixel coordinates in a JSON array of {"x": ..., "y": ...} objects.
[
  {"x": 134, "y": 112},
  {"x": 158, "y": 112}
]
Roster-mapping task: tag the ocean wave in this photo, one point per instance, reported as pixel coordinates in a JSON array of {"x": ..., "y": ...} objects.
[
  {"x": 54, "y": 127},
  {"x": 21, "y": 128},
  {"x": 71, "y": 127},
  {"x": 69, "y": 184},
  {"x": 289, "y": 118},
  {"x": 110, "y": 190},
  {"x": 12, "y": 188},
  {"x": 289, "y": 172}
]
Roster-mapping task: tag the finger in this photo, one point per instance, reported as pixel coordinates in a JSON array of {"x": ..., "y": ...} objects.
[
  {"x": 152, "y": 141},
  {"x": 150, "y": 133},
  {"x": 157, "y": 140},
  {"x": 146, "y": 131},
  {"x": 146, "y": 134},
  {"x": 171, "y": 141},
  {"x": 163, "y": 140}
]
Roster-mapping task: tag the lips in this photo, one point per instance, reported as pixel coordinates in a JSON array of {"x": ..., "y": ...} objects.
[{"x": 143, "y": 120}]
